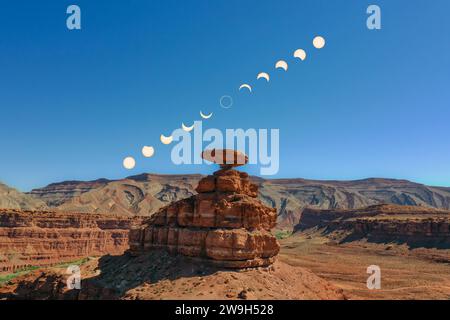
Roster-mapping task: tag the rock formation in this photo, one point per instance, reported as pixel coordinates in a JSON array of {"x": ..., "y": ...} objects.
[
  {"x": 416, "y": 226},
  {"x": 34, "y": 238},
  {"x": 224, "y": 223}
]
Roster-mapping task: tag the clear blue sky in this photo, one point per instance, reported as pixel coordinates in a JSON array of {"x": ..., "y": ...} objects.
[{"x": 370, "y": 104}]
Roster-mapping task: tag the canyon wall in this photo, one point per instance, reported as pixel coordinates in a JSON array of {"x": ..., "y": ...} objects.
[
  {"x": 416, "y": 226},
  {"x": 423, "y": 232},
  {"x": 33, "y": 238}
]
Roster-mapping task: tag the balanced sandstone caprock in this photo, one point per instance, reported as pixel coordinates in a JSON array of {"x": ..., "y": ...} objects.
[{"x": 224, "y": 223}]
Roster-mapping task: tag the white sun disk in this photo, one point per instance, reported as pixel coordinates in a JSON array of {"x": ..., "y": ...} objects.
[
  {"x": 148, "y": 151},
  {"x": 129, "y": 163},
  {"x": 319, "y": 42}
]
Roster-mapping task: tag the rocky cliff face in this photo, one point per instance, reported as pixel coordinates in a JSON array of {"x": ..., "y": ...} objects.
[
  {"x": 31, "y": 238},
  {"x": 423, "y": 232},
  {"x": 145, "y": 194},
  {"x": 415, "y": 226},
  {"x": 224, "y": 223}
]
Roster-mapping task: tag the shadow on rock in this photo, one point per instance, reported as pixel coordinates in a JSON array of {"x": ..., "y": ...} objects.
[
  {"x": 110, "y": 280},
  {"x": 118, "y": 274},
  {"x": 413, "y": 242},
  {"x": 41, "y": 285}
]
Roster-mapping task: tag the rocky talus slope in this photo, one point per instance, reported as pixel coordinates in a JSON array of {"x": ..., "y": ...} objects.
[
  {"x": 224, "y": 223},
  {"x": 33, "y": 238}
]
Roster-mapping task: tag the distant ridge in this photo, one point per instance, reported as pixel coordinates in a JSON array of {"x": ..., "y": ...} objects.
[
  {"x": 145, "y": 193},
  {"x": 13, "y": 199}
]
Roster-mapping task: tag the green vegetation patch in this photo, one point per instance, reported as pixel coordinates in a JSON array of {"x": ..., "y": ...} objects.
[
  {"x": 10, "y": 276},
  {"x": 4, "y": 279},
  {"x": 78, "y": 262},
  {"x": 282, "y": 234}
]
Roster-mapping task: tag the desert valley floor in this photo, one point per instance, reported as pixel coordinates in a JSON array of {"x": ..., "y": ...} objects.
[
  {"x": 310, "y": 263},
  {"x": 406, "y": 274}
]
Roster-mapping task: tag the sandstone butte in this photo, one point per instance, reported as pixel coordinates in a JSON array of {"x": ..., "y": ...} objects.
[
  {"x": 39, "y": 238},
  {"x": 224, "y": 223}
]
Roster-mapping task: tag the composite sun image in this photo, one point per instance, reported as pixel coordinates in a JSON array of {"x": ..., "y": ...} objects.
[{"x": 226, "y": 157}]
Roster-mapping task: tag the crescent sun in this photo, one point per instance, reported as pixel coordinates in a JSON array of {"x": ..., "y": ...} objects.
[
  {"x": 282, "y": 64},
  {"x": 187, "y": 129},
  {"x": 245, "y": 85},
  {"x": 263, "y": 75},
  {"x": 206, "y": 116},
  {"x": 166, "y": 140}
]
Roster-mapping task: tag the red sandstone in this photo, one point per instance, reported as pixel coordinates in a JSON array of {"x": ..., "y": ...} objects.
[{"x": 34, "y": 238}]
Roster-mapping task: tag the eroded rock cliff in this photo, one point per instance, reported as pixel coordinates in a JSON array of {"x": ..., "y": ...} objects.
[
  {"x": 32, "y": 238},
  {"x": 416, "y": 226}
]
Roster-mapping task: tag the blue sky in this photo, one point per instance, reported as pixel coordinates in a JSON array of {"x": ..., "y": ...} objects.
[{"x": 370, "y": 104}]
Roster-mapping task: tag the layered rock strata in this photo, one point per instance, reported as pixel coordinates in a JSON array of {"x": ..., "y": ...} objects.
[
  {"x": 224, "y": 223},
  {"x": 34, "y": 238}
]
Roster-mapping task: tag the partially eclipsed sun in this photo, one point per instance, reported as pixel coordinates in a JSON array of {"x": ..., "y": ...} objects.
[
  {"x": 281, "y": 64},
  {"x": 264, "y": 75},
  {"x": 204, "y": 116},
  {"x": 300, "y": 53},
  {"x": 245, "y": 85},
  {"x": 166, "y": 140},
  {"x": 186, "y": 128}
]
